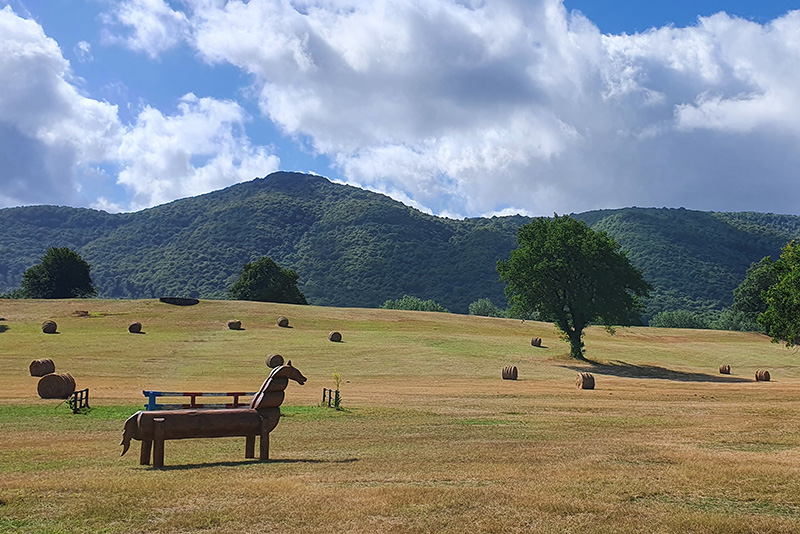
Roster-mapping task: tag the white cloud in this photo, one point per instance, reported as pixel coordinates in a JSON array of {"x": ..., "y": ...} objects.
[
  {"x": 48, "y": 129},
  {"x": 200, "y": 149},
  {"x": 54, "y": 140},
  {"x": 149, "y": 26},
  {"x": 475, "y": 107},
  {"x": 463, "y": 108},
  {"x": 83, "y": 51}
]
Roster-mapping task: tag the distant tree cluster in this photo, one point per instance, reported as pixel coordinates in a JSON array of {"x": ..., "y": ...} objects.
[
  {"x": 768, "y": 301},
  {"x": 61, "y": 274},
  {"x": 266, "y": 281},
  {"x": 678, "y": 319},
  {"x": 486, "y": 308},
  {"x": 781, "y": 319},
  {"x": 409, "y": 302}
]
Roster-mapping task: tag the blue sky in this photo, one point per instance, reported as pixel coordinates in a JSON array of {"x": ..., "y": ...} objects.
[{"x": 457, "y": 108}]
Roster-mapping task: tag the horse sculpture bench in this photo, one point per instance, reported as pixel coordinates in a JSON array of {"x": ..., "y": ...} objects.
[{"x": 152, "y": 428}]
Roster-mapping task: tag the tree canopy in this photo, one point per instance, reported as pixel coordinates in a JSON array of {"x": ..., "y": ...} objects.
[
  {"x": 486, "y": 308},
  {"x": 410, "y": 302},
  {"x": 573, "y": 276},
  {"x": 678, "y": 319},
  {"x": 782, "y": 316},
  {"x": 266, "y": 281},
  {"x": 61, "y": 274}
]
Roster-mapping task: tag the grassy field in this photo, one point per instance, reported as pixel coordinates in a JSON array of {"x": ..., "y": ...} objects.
[{"x": 430, "y": 440}]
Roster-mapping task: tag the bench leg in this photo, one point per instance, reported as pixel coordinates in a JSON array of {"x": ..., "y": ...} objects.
[
  {"x": 144, "y": 455},
  {"x": 158, "y": 442},
  {"x": 264, "y": 443},
  {"x": 250, "y": 447}
]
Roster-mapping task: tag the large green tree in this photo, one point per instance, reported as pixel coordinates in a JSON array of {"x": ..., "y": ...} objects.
[
  {"x": 573, "y": 276},
  {"x": 61, "y": 274},
  {"x": 749, "y": 296},
  {"x": 782, "y": 316},
  {"x": 266, "y": 281}
]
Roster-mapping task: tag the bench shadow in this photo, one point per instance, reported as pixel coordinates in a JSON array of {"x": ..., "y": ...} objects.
[
  {"x": 184, "y": 467},
  {"x": 630, "y": 370}
]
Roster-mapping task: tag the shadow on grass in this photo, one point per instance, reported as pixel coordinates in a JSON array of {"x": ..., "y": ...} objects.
[
  {"x": 252, "y": 462},
  {"x": 629, "y": 370}
]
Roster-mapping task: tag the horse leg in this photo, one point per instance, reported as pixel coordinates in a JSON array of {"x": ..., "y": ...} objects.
[
  {"x": 144, "y": 456},
  {"x": 264, "y": 452},
  {"x": 158, "y": 442},
  {"x": 250, "y": 447}
]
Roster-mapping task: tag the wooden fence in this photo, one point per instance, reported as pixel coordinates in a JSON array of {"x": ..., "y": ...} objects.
[
  {"x": 331, "y": 397},
  {"x": 79, "y": 400}
]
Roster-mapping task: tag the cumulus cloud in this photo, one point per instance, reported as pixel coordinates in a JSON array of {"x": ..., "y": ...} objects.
[
  {"x": 83, "y": 51},
  {"x": 485, "y": 107},
  {"x": 149, "y": 26},
  {"x": 463, "y": 108},
  {"x": 54, "y": 139},
  {"x": 49, "y": 131},
  {"x": 200, "y": 149}
]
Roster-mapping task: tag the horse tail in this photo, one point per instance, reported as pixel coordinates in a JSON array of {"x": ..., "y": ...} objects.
[{"x": 129, "y": 432}]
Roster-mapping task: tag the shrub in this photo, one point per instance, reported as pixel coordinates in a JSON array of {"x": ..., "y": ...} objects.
[
  {"x": 731, "y": 319},
  {"x": 678, "y": 319},
  {"x": 485, "y": 308},
  {"x": 409, "y": 302}
]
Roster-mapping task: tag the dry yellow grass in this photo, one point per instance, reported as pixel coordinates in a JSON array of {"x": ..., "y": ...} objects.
[{"x": 432, "y": 439}]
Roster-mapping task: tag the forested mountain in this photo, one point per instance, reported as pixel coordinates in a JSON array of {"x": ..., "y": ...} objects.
[{"x": 357, "y": 248}]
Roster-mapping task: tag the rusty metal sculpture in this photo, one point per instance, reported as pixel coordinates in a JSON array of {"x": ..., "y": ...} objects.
[{"x": 152, "y": 428}]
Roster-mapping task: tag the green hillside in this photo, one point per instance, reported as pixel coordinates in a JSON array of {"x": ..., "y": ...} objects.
[{"x": 357, "y": 248}]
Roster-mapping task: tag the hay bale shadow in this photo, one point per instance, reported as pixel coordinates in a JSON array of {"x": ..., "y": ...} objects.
[
  {"x": 179, "y": 301},
  {"x": 630, "y": 370}
]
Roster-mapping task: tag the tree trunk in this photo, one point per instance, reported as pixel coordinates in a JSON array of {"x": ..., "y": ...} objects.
[{"x": 576, "y": 344}]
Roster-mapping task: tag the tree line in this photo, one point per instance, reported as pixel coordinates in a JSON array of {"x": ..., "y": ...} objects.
[{"x": 562, "y": 271}]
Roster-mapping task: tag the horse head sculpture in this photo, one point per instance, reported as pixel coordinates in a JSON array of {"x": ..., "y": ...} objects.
[{"x": 271, "y": 392}]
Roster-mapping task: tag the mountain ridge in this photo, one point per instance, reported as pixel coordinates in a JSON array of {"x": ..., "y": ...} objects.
[{"x": 358, "y": 248}]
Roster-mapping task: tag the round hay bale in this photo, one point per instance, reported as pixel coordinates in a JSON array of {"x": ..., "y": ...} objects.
[
  {"x": 725, "y": 369},
  {"x": 234, "y": 324},
  {"x": 585, "y": 381},
  {"x": 336, "y": 337},
  {"x": 135, "y": 327},
  {"x": 762, "y": 375},
  {"x": 283, "y": 322},
  {"x": 42, "y": 366},
  {"x": 49, "y": 327},
  {"x": 55, "y": 386},
  {"x": 536, "y": 342},
  {"x": 276, "y": 360},
  {"x": 509, "y": 372}
]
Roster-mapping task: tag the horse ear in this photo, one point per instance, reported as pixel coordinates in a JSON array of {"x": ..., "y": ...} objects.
[{"x": 289, "y": 363}]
